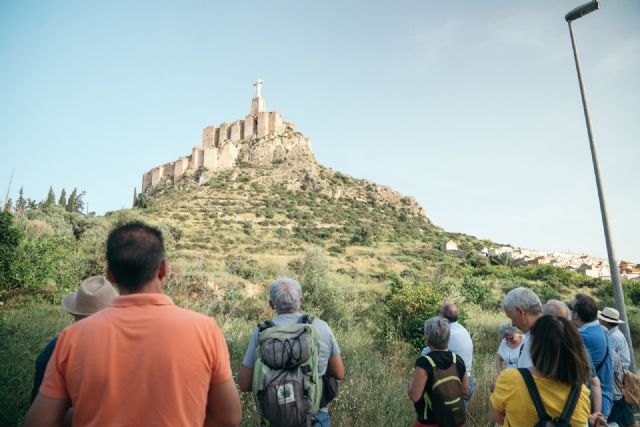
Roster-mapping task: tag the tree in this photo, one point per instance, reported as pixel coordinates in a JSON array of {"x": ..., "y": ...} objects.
[
  {"x": 63, "y": 198},
  {"x": 8, "y": 205},
  {"x": 10, "y": 237},
  {"x": 71, "y": 201},
  {"x": 75, "y": 202},
  {"x": 51, "y": 198},
  {"x": 21, "y": 203}
]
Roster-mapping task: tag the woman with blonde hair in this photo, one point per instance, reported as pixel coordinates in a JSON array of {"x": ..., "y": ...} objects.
[{"x": 554, "y": 387}]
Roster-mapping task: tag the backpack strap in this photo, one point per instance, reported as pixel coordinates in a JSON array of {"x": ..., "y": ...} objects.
[
  {"x": 265, "y": 325},
  {"x": 570, "y": 406},
  {"x": 430, "y": 360},
  {"x": 606, "y": 354},
  {"x": 535, "y": 395},
  {"x": 306, "y": 319}
]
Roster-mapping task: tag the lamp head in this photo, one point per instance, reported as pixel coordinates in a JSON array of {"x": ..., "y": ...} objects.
[{"x": 580, "y": 11}]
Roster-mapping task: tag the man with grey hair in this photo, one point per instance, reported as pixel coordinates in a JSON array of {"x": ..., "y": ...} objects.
[
  {"x": 523, "y": 307},
  {"x": 554, "y": 307},
  {"x": 285, "y": 297}
]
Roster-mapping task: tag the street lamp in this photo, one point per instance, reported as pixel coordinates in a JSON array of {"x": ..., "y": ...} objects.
[{"x": 618, "y": 295}]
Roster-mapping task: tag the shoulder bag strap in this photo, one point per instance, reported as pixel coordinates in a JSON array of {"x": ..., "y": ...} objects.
[
  {"x": 535, "y": 395},
  {"x": 570, "y": 406},
  {"x": 606, "y": 354}
]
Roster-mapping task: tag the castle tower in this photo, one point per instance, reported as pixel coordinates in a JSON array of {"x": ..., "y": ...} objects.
[{"x": 257, "y": 103}]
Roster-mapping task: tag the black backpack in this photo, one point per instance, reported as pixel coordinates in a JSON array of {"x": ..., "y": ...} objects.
[{"x": 544, "y": 419}]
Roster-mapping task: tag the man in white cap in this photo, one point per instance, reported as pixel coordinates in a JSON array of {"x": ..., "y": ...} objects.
[
  {"x": 621, "y": 412},
  {"x": 94, "y": 294}
]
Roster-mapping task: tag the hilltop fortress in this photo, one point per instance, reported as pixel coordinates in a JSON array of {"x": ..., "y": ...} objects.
[{"x": 220, "y": 145}]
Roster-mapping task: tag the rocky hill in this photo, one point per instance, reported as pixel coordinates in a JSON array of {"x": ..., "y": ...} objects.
[{"x": 277, "y": 202}]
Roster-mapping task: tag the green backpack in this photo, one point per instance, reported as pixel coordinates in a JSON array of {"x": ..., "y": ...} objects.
[{"x": 286, "y": 384}]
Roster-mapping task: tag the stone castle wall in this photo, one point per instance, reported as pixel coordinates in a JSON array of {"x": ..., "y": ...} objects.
[{"x": 219, "y": 148}]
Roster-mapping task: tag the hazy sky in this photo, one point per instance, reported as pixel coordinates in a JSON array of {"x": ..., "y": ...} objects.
[{"x": 471, "y": 106}]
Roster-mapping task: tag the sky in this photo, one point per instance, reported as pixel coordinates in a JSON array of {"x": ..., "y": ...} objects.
[{"x": 472, "y": 107}]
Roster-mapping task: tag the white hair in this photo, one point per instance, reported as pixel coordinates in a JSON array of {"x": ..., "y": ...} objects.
[
  {"x": 554, "y": 307},
  {"x": 522, "y": 297},
  {"x": 507, "y": 329},
  {"x": 437, "y": 332},
  {"x": 285, "y": 294}
]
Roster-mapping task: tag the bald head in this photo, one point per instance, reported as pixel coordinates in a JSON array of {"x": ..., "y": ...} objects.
[{"x": 449, "y": 311}]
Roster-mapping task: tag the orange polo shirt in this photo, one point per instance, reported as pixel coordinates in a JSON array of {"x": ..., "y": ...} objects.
[{"x": 140, "y": 361}]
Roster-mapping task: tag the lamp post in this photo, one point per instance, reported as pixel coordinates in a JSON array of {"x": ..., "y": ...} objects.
[{"x": 618, "y": 295}]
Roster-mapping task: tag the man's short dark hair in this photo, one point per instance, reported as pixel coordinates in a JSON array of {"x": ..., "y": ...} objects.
[
  {"x": 134, "y": 253},
  {"x": 586, "y": 308}
]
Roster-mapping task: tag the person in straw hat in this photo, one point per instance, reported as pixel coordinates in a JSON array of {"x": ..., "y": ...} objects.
[
  {"x": 94, "y": 294},
  {"x": 610, "y": 318},
  {"x": 621, "y": 412}
]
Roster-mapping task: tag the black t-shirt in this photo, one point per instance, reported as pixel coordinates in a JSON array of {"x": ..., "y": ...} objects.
[{"x": 443, "y": 360}]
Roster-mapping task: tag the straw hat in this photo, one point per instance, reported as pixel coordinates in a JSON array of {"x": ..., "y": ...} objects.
[
  {"x": 95, "y": 293},
  {"x": 609, "y": 315}
]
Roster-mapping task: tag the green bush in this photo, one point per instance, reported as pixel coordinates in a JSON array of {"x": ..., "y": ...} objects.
[
  {"x": 475, "y": 291},
  {"x": 407, "y": 306},
  {"x": 319, "y": 296}
]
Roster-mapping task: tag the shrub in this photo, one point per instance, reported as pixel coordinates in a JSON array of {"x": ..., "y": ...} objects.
[
  {"x": 319, "y": 297},
  {"x": 244, "y": 267},
  {"x": 407, "y": 306},
  {"x": 475, "y": 291}
]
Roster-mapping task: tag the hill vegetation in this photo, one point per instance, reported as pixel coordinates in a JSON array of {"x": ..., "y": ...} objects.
[{"x": 370, "y": 262}]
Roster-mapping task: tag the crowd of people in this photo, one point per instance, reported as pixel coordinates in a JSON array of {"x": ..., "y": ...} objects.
[
  {"x": 134, "y": 358},
  {"x": 561, "y": 368}
]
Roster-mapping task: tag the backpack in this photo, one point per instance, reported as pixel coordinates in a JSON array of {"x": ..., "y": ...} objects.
[
  {"x": 446, "y": 400},
  {"x": 544, "y": 419},
  {"x": 286, "y": 385},
  {"x": 630, "y": 387}
]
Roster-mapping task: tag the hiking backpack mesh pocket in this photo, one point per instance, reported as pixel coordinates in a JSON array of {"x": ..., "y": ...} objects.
[{"x": 286, "y": 385}]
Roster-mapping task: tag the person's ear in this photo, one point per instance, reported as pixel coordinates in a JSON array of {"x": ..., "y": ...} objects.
[
  {"x": 110, "y": 276},
  {"x": 163, "y": 269}
]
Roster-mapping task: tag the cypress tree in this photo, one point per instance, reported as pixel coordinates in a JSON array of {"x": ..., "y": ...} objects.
[
  {"x": 21, "y": 203},
  {"x": 63, "y": 199},
  {"x": 71, "y": 202},
  {"x": 51, "y": 198}
]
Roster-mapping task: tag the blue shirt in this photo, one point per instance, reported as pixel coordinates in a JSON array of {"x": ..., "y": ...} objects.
[
  {"x": 460, "y": 343},
  {"x": 596, "y": 342}
]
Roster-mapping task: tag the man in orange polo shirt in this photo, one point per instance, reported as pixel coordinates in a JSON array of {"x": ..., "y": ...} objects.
[{"x": 142, "y": 360}]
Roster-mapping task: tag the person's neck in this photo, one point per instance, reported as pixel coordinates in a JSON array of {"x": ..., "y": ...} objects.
[
  {"x": 537, "y": 373},
  {"x": 532, "y": 319},
  {"x": 153, "y": 287},
  {"x": 515, "y": 343},
  {"x": 289, "y": 312}
]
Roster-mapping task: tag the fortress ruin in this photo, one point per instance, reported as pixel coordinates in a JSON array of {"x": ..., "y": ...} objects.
[{"x": 219, "y": 148}]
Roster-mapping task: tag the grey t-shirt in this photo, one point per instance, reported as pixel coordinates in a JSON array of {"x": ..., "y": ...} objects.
[{"x": 327, "y": 345}]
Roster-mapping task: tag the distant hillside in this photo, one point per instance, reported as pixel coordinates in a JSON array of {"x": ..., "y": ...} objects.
[{"x": 278, "y": 201}]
